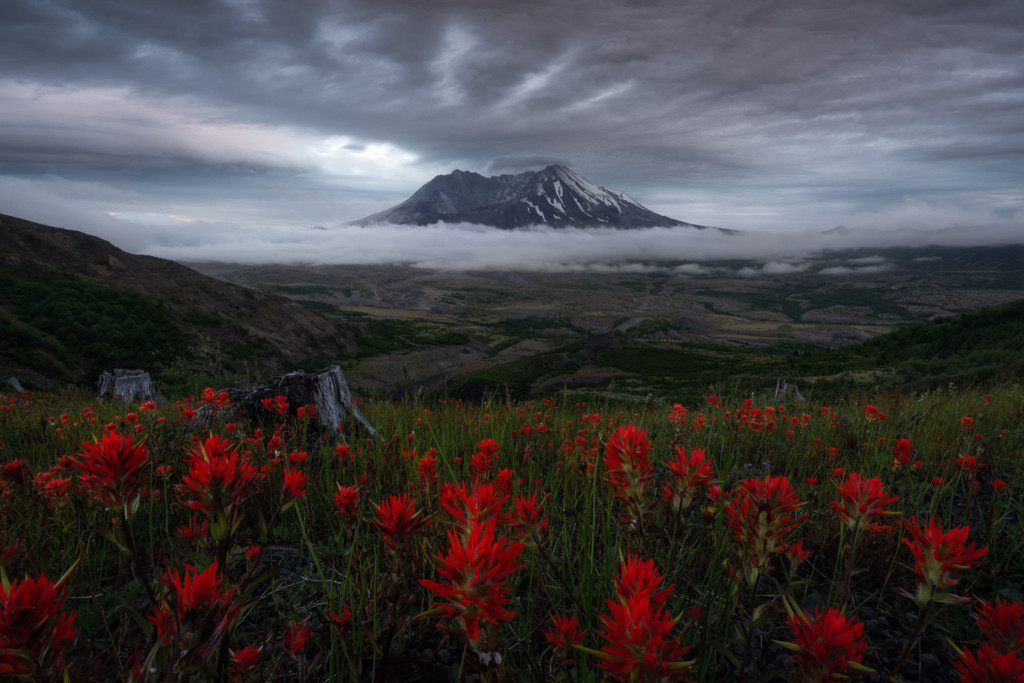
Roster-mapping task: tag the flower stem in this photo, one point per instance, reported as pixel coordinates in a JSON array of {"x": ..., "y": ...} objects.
[{"x": 911, "y": 640}]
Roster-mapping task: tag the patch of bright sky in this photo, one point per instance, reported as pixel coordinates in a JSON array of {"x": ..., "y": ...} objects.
[{"x": 342, "y": 154}]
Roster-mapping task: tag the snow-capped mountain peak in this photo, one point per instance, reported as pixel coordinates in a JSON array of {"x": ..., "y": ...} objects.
[{"x": 555, "y": 196}]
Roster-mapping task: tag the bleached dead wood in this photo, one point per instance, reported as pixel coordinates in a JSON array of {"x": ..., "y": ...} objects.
[{"x": 127, "y": 384}]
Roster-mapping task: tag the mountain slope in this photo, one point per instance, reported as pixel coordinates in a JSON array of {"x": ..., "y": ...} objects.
[
  {"x": 75, "y": 304},
  {"x": 554, "y": 196}
]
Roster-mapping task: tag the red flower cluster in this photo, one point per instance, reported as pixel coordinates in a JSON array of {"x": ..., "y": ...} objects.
[
  {"x": 278, "y": 404},
  {"x": 427, "y": 466},
  {"x": 482, "y": 464},
  {"x": 1003, "y": 625},
  {"x": 34, "y": 633},
  {"x": 198, "y": 608},
  {"x": 527, "y": 518},
  {"x": 13, "y": 471},
  {"x": 398, "y": 521},
  {"x": 937, "y": 555},
  {"x": 678, "y": 417},
  {"x": 861, "y": 502},
  {"x": 218, "y": 481},
  {"x": 243, "y": 664},
  {"x": 347, "y": 502},
  {"x": 690, "y": 473},
  {"x": 342, "y": 623},
  {"x": 55, "y": 489},
  {"x": 1002, "y": 658},
  {"x": 294, "y": 485},
  {"x": 563, "y": 635},
  {"x": 477, "y": 569},
  {"x": 479, "y": 504},
  {"x": 296, "y": 637},
  {"x": 901, "y": 452},
  {"x": 638, "y": 629},
  {"x": 825, "y": 647},
  {"x": 629, "y": 468},
  {"x": 759, "y": 515},
  {"x": 987, "y": 665}
]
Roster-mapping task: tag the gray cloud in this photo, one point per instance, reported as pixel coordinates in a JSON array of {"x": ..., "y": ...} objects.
[{"x": 753, "y": 116}]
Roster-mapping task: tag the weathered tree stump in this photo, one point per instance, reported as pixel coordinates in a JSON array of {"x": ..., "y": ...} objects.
[
  {"x": 127, "y": 384},
  {"x": 14, "y": 384},
  {"x": 325, "y": 389}
]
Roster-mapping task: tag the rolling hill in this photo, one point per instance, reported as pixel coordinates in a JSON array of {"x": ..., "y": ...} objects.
[{"x": 74, "y": 305}]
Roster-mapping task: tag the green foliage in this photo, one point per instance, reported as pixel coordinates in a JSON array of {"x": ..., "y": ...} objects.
[
  {"x": 522, "y": 326},
  {"x": 319, "y": 306},
  {"x": 971, "y": 348},
  {"x": 377, "y": 336},
  {"x": 85, "y": 326}
]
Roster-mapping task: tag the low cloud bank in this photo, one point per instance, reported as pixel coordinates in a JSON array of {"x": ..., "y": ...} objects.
[
  {"x": 677, "y": 250},
  {"x": 472, "y": 247}
]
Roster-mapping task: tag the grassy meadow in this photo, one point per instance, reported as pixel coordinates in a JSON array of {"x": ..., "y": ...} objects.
[{"x": 551, "y": 539}]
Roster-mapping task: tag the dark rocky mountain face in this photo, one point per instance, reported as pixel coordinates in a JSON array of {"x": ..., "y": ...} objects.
[{"x": 554, "y": 196}]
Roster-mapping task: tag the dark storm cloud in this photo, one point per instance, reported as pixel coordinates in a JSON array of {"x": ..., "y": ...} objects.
[{"x": 746, "y": 115}]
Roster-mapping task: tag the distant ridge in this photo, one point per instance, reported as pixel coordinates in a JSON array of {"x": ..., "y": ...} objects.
[{"x": 554, "y": 196}]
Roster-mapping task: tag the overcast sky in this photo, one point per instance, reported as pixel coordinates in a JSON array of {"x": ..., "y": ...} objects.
[{"x": 166, "y": 124}]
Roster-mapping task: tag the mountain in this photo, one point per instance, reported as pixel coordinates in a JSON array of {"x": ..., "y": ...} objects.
[
  {"x": 74, "y": 305},
  {"x": 554, "y": 196}
]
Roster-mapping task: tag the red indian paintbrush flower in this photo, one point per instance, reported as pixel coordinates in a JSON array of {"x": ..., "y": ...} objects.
[
  {"x": 901, "y": 452},
  {"x": 1002, "y": 623},
  {"x": 690, "y": 473},
  {"x": 34, "y": 633},
  {"x": 197, "y": 607},
  {"x": 564, "y": 634},
  {"x": 242, "y": 667},
  {"x": 826, "y": 646},
  {"x": 678, "y": 417},
  {"x": 428, "y": 471},
  {"x": 296, "y": 637},
  {"x": 640, "y": 576},
  {"x": 398, "y": 521},
  {"x": 294, "y": 485},
  {"x": 629, "y": 468},
  {"x": 640, "y": 645},
  {"x": 476, "y": 570},
  {"x": 347, "y": 502},
  {"x": 112, "y": 470},
  {"x": 55, "y": 489},
  {"x": 862, "y": 501},
  {"x": 194, "y": 531},
  {"x": 937, "y": 555},
  {"x": 479, "y": 504},
  {"x": 14, "y": 472},
  {"x": 482, "y": 464},
  {"x": 342, "y": 623},
  {"x": 218, "y": 481},
  {"x": 986, "y": 665},
  {"x": 527, "y": 518},
  {"x": 759, "y": 515}
]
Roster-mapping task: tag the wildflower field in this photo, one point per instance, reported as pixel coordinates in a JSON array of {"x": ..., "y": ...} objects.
[{"x": 875, "y": 537}]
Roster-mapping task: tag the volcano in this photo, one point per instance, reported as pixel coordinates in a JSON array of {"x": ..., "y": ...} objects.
[{"x": 554, "y": 196}]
